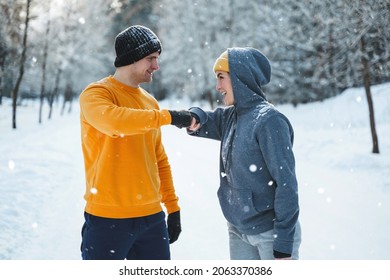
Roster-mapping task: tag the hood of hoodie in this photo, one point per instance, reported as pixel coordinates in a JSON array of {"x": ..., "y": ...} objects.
[{"x": 249, "y": 71}]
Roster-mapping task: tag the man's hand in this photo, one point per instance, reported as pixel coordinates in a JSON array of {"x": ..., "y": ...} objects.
[{"x": 174, "y": 226}]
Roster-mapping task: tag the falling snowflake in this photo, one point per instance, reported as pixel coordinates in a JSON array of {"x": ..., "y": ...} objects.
[
  {"x": 11, "y": 165},
  {"x": 320, "y": 190},
  {"x": 253, "y": 168},
  {"x": 81, "y": 20}
]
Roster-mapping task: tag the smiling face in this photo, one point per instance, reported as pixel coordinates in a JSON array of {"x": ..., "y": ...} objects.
[
  {"x": 142, "y": 70},
  {"x": 224, "y": 86}
]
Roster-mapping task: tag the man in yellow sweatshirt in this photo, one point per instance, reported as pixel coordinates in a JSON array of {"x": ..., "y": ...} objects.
[{"x": 128, "y": 175}]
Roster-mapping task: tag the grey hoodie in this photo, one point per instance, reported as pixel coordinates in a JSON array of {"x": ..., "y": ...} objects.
[{"x": 258, "y": 187}]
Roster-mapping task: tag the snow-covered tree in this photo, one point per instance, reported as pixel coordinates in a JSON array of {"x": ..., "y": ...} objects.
[
  {"x": 313, "y": 45},
  {"x": 15, "y": 90},
  {"x": 194, "y": 34},
  {"x": 10, "y": 39}
]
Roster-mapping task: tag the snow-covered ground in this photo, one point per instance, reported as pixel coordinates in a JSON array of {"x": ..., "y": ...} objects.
[{"x": 344, "y": 188}]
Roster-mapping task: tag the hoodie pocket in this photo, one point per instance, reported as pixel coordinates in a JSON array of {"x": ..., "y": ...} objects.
[
  {"x": 242, "y": 207},
  {"x": 263, "y": 201}
]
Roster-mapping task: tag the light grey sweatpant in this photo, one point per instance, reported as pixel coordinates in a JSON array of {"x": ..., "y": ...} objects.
[{"x": 258, "y": 247}]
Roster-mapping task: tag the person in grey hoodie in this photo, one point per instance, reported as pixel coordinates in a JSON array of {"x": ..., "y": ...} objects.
[{"x": 258, "y": 190}]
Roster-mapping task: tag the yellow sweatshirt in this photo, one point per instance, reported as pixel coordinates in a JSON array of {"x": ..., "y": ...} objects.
[{"x": 127, "y": 170}]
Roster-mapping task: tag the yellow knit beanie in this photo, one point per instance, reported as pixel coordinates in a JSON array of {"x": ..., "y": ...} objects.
[{"x": 222, "y": 64}]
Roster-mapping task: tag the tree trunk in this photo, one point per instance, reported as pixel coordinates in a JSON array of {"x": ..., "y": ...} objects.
[
  {"x": 68, "y": 96},
  {"x": 2, "y": 67},
  {"x": 70, "y": 105},
  {"x": 21, "y": 69},
  {"x": 1, "y": 83},
  {"x": 54, "y": 93},
  {"x": 367, "y": 81},
  {"x": 331, "y": 51},
  {"x": 43, "y": 82}
]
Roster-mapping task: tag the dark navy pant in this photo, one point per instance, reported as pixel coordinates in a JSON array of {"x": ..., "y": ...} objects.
[{"x": 144, "y": 238}]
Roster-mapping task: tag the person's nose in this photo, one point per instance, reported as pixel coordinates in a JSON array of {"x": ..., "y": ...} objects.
[
  {"x": 218, "y": 86},
  {"x": 155, "y": 65}
]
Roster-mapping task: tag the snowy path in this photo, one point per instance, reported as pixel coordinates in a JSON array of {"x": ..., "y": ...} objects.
[{"x": 42, "y": 206}]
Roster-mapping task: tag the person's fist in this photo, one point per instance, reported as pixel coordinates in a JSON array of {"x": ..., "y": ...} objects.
[
  {"x": 181, "y": 118},
  {"x": 174, "y": 226}
]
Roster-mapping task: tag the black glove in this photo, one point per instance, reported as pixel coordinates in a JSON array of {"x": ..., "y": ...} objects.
[
  {"x": 174, "y": 226},
  {"x": 180, "y": 118},
  {"x": 280, "y": 255}
]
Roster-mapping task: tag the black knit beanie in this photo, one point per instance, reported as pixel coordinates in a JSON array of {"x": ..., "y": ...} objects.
[{"x": 135, "y": 43}]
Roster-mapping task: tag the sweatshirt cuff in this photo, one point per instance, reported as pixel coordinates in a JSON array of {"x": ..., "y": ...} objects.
[
  {"x": 171, "y": 208},
  {"x": 165, "y": 117}
]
